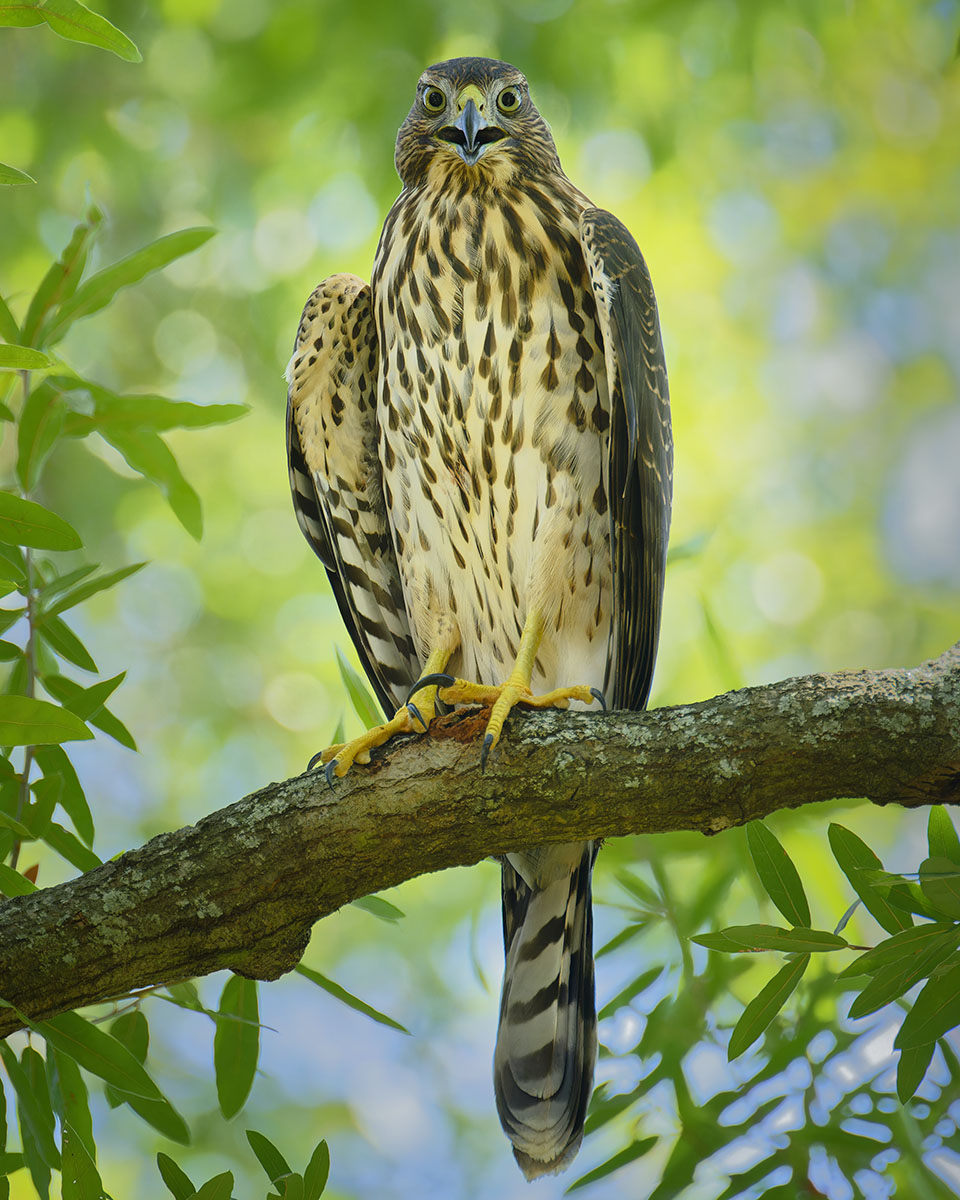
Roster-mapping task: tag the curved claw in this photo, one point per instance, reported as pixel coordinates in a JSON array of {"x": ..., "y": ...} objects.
[
  {"x": 485, "y": 751},
  {"x": 416, "y": 714},
  {"x": 437, "y": 680},
  {"x": 598, "y": 695},
  {"x": 317, "y": 758},
  {"x": 329, "y": 773}
]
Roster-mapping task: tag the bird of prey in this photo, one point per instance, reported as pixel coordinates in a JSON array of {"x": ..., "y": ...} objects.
[{"x": 480, "y": 453}]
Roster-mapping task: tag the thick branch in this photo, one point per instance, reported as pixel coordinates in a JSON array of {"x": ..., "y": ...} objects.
[{"x": 242, "y": 888}]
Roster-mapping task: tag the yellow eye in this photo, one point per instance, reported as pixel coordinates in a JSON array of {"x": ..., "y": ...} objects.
[
  {"x": 509, "y": 100},
  {"x": 434, "y": 100}
]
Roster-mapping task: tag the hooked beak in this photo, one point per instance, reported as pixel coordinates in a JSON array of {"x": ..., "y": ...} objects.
[{"x": 470, "y": 133}]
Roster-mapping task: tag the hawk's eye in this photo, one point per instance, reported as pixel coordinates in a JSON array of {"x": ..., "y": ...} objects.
[
  {"x": 434, "y": 100},
  {"x": 509, "y": 100}
]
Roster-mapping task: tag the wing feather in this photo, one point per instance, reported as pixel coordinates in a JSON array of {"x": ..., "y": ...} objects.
[
  {"x": 640, "y": 463},
  {"x": 336, "y": 483}
]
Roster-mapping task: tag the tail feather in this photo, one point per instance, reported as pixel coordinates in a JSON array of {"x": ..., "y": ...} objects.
[{"x": 546, "y": 1043}]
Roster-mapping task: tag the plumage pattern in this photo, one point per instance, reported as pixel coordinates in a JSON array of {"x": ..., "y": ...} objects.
[{"x": 480, "y": 453}]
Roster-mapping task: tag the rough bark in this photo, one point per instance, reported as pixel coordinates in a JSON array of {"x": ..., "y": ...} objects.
[{"x": 242, "y": 888}]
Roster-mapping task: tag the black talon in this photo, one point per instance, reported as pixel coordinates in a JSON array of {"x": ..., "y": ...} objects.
[
  {"x": 598, "y": 695},
  {"x": 415, "y": 713},
  {"x": 485, "y": 751},
  {"x": 438, "y": 680},
  {"x": 313, "y": 761},
  {"x": 329, "y": 773}
]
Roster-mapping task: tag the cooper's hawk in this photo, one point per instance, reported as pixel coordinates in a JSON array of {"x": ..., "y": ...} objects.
[{"x": 480, "y": 453}]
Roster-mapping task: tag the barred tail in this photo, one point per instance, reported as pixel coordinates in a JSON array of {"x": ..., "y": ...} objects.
[{"x": 547, "y": 1040}]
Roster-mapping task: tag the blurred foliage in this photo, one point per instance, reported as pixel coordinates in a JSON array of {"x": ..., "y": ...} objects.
[{"x": 791, "y": 173}]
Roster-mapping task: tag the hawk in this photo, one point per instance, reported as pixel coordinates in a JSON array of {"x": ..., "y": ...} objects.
[{"x": 480, "y": 453}]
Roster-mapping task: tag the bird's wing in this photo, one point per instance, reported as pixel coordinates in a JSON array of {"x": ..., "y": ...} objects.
[
  {"x": 336, "y": 482},
  {"x": 640, "y": 461}
]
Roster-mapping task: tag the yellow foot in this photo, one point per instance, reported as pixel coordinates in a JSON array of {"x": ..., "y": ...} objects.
[
  {"x": 340, "y": 758},
  {"x": 502, "y": 699}
]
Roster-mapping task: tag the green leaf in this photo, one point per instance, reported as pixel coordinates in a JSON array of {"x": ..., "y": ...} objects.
[
  {"x": 80, "y": 1179},
  {"x": 912, "y": 1068},
  {"x": 630, "y": 1154},
  {"x": 130, "y": 1030},
  {"x": 12, "y": 883},
  {"x": 268, "y": 1156},
  {"x": 75, "y": 22},
  {"x": 177, "y": 1180},
  {"x": 11, "y": 177},
  {"x": 236, "y": 1044},
  {"x": 33, "y": 1068},
  {"x": 853, "y": 856},
  {"x": 23, "y": 523},
  {"x": 940, "y": 883},
  {"x": 758, "y": 1014},
  {"x": 97, "y": 292},
  {"x": 55, "y": 763},
  {"x": 935, "y": 1011},
  {"x": 908, "y": 897},
  {"x": 22, "y": 358},
  {"x": 61, "y": 639},
  {"x": 906, "y": 945},
  {"x": 778, "y": 874},
  {"x": 70, "y": 1097},
  {"x": 898, "y": 977},
  {"x": 41, "y": 420},
  {"x": 377, "y": 906},
  {"x": 772, "y": 937},
  {"x": 28, "y": 722},
  {"x": 345, "y": 997},
  {"x": 318, "y": 1169},
  {"x": 32, "y": 1110},
  {"x": 151, "y": 457},
  {"x": 70, "y": 847},
  {"x": 218, "y": 1188},
  {"x": 90, "y": 587},
  {"x": 363, "y": 702},
  {"x": 942, "y": 836},
  {"x": 70, "y": 693},
  {"x": 627, "y": 994},
  {"x": 9, "y": 330},
  {"x": 105, "y": 1057},
  {"x": 20, "y": 13},
  {"x": 86, "y": 703},
  {"x": 61, "y": 280},
  {"x": 138, "y": 413},
  {"x": 291, "y": 1187},
  {"x": 18, "y": 828}
]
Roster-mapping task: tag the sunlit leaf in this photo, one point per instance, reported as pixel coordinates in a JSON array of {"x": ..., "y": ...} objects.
[
  {"x": 378, "y": 907},
  {"x": 771, "y": 937},
  {"x": 778, "y": 874},
  {"x": 268, "y": 1156},
  {"x": 90, "y": 587},
  {"x": 140, "y": 412},
  {"x": 935, "y": 1011},
  {"x": 634, "y": 988},
  {"x": 96, "y": 292},
  {"x": 640, "y": 890},
  {"x": 625, "y": 935},
  {"x": 12, "y": 883},
  {"x": 75, "y": 22},
  {"x": 9, "y": 330},
  {"x": 351, "y": 1001},
  {"x": 632, "y": 1152},
  {"x": 315, "y": 1176},
  {"x": 940, "y": 883},
  {"x": 942, "y": 835},
  {"x": 69, "y": 692},
  {"x": 898, "y": 977},
  {"x": 907, "y": 896},
  {"x": 12, "y": 176},
  {"x": 21, "y": 358},
  {"x": 41, "y": 420},
  {"x": 912, "y": 1068},
  {"x": 87, "y": 702},
  {"x": 363, "y": 702},
  {"x": 61, "y": 280},
  {"x": 218, "y": 1188},
  {"x": 176, "y": 1179},
  {"x": 758, "y": 1014},
  {"x": 18, "y": 827},
  {"x": 908, "y": 944},
  {"x": 80, "y": 1179},
  {"x": 853, "y": 855},
  {"x": 28, "y": 722},
  {"x": 236, "y": 1044},
  {"x": 24, "y": 523},
  {"x": 151, "y": 457}
]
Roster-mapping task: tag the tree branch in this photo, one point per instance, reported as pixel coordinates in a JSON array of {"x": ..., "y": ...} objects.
[{"x": 242, "y": 888}]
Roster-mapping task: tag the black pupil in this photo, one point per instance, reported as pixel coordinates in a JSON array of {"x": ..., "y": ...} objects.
[
  {"x": 435, "y": 99},
  {"x": 508, "y": 99}
]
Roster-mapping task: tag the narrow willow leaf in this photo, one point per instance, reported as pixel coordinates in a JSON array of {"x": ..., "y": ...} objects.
[
  {"x": 18, "y": 827},
  {"x": 176, "y": 1179},
  {"x": 363, "y": 702},
  {"x": 853, "y": 855},
  {"x": 143, "y": 412},
  {"x": 935, "y": 1011},
  {"x": 96, "y": 292},
  {"x": 291, "y": 1187},
  {"x": 912, "y": 1068},
  {"x": 625, "y": 935},
  {"x": 105, "y": 1057},
  {"x": 61, "y": 280},
  {"x": 151, "y": 457},
  {"x": 942, "y": 836},
  {"x": 378, "y": 907},
  {"x": 633, "y": 989},
  {"x": 24, "y": 523},
  {"x": 130, "y": 1030},
  {"x": 778, "y": 874},
  {"x": 317, "y": 1172},
  {"x": 86, "y": 703},
  {"x": 12, "y": 883},
  {"x": 218, "y": 1188},
  {"x": 9, "y": 330},
  {"x": 268, "y": 1156},
  {"x": 758, "y": 1014},
  {"x": 68, "y": 692},
  {"x": 236, "y": 1044},
  {"x": 940, "y": 883},
  {"x": 41, "y": 420},
  {"x": 77, "y": 23},
  {"x": 345, "y": 997},
  {"x": 70, "y": 847},
  {"x": 10, "y": 651},
  {"x": 28, "y": 722},
  {"x": 640, "y": 890},
  {"x": 63, "y": 641},
  {"x": 632, "y": 1152},
  {"x": 20, "y": 14},
  {"x": 772, "y": 937},
  {"x": 58, "y": 584},
  {"x": 32, "y": 1112},
  {"x": 903, "y": 946},
  {"x": 90, "y": 587},
  {"x": 55, "y": 763},
  {"x": 22, "y": 358},
  {"x": 898, "y": 977},
  {"x": 80, "y": 1179},
  {"x": 12, "y": 176},
  {"x": 70, "y": 1096},
  {"x": 717, "y": 941},
  {"x": 908, "y": 897},
  {"x": 33, "y": 1068}
]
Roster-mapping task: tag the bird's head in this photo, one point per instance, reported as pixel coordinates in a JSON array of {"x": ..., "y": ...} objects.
[{"x": 473, "y": 115}]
